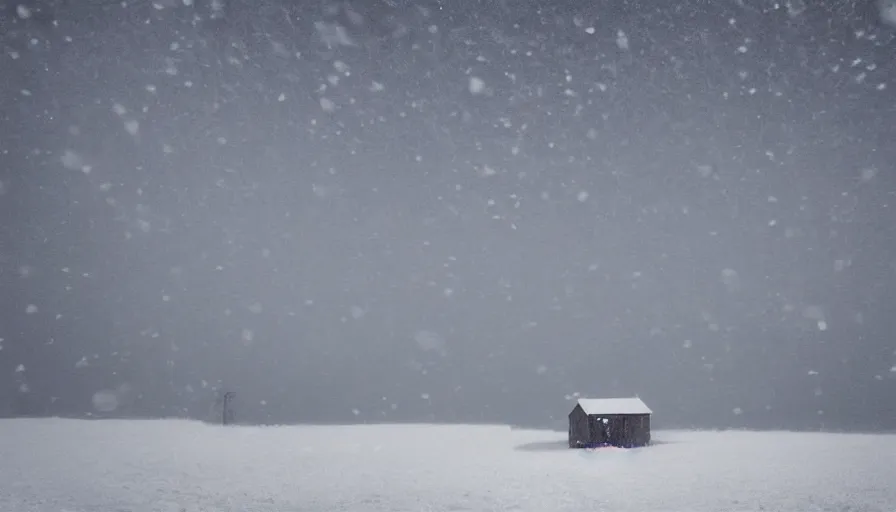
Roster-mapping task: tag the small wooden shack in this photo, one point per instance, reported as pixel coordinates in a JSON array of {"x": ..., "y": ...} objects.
[{"x": 622, "y": 422}]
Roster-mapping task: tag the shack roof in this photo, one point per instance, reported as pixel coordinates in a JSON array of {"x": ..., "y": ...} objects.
[{"x": 613, "y": 406}]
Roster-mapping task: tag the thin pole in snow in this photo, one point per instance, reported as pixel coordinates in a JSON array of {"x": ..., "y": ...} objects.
[{"x": 226, "y": 416}]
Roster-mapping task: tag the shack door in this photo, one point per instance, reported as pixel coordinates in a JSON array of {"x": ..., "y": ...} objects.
[{"x": 624, "y": 434}]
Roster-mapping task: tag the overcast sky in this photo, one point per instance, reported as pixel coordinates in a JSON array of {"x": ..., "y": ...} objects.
[{"x": 450, "y": 211}]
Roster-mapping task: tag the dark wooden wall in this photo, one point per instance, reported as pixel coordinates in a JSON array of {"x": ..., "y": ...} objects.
[
  {"x": 618, "y": 430},
  {"x": 579, "y": 431}
]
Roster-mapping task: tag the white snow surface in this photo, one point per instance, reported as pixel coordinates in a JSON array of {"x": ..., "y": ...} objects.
[
  {"x": 173, "y": 466},
  {"x": 613, "y": 406}
]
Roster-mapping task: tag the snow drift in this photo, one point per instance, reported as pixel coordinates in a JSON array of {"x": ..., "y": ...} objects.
[{"x": 172, "y": 466}]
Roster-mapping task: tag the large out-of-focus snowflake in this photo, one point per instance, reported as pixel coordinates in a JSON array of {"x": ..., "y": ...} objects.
[{"x": 888, "y": 11}]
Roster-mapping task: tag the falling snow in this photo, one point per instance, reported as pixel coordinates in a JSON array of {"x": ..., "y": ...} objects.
[
  {"x": 477, "y": 85},
  {"x": 621, "y": 40},
  {"x": 731, "y": 279},
  {"x": 480, "y": 207},
  {"x": 888, "y": 11},
  {"x": 132, "y": 127}
]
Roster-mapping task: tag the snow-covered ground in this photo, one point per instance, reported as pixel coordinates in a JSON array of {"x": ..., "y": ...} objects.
[{"x": 165, "y": 465}]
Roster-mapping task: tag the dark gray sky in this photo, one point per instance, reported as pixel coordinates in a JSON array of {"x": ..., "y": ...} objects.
[{"x": 450, "y": 211}]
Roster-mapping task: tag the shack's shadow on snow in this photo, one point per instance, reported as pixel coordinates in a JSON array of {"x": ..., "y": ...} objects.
[{"x": 563, "y": 445}]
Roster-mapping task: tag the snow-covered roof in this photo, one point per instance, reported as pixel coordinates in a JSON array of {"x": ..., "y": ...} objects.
[{"x": 614, "y": 406}]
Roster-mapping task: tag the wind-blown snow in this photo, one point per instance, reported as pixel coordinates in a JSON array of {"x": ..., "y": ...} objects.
[{"x": 78, "y": 466}]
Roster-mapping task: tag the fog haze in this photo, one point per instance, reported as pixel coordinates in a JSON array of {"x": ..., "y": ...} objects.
[{"x": 450, "y": 212}]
